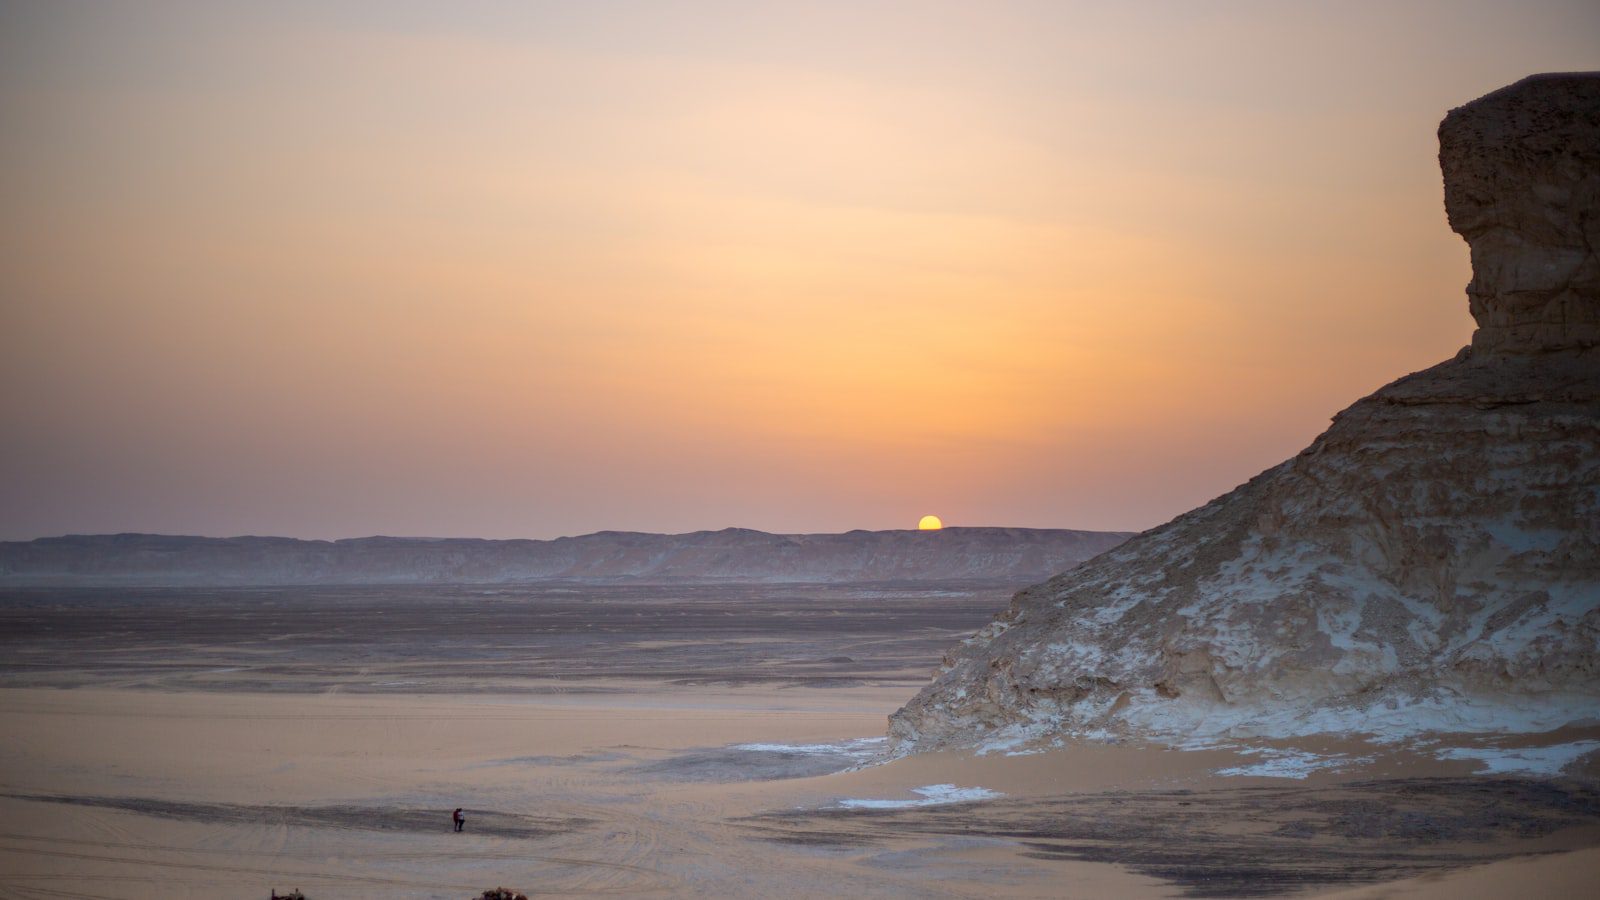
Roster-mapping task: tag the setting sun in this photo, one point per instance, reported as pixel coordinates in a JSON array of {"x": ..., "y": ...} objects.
[{"x": 930, "y": 523}]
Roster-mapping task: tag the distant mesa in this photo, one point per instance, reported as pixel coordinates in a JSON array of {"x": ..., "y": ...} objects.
[
  {"x": 1430, "y": 563},
  {"x": 1014, "y": 555}
]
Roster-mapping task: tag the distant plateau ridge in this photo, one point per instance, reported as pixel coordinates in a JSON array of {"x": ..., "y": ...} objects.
[{"x": 733, "y": 554}]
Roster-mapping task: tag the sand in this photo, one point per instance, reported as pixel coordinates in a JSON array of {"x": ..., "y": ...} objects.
[
  {"x": 720, "y": 763},
  {"x": 1558, "y": 875},
  {"x": 143, "y": 794}
]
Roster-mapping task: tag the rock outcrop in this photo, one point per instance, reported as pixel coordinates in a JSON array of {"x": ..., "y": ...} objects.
[
  {"x": 1430, "y": 563},
  {"x": 1015, "y": 555},
  {"x": 1522, "y": 185}
]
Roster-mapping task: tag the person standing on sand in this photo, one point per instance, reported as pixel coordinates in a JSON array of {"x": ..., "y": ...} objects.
[{"x": 458, "y": 818}]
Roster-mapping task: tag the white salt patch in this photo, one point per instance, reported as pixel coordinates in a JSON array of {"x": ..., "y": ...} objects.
[
  {"x": 1524, "y": 761},
  {"x": 1008, "y": 739},
  {"x": 1389, "y": 720},
  {"x": 1289, "y": 764},
  {"x": 932, "y": 795},
  {"x": 1524, "y": 540},
  {"x": 857, "y": 747}
]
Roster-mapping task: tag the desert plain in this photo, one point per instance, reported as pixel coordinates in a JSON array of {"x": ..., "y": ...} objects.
[{"x": 671, "y": 740}]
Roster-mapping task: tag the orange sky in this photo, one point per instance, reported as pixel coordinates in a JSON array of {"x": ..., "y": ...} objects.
[{"x": 474, "y": 269}]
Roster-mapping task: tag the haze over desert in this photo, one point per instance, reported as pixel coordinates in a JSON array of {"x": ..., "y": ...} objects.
[{"x": 708, "y": 449}]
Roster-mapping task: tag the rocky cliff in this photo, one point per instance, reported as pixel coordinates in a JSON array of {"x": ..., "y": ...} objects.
[
  {"x": 735, "y": 554},
  {"x": 1430, "y": 563}
]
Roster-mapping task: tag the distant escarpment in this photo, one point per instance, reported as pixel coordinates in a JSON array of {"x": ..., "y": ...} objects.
[
  {"x": 1430, "y": 563},
  {"x": 735, "y": 554}
]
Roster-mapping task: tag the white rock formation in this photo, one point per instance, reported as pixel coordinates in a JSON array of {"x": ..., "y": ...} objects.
[{"x": 1430, "y": 563}]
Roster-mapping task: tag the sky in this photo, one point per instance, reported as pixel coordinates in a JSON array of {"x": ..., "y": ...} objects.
[{"x": 537, "y": 269}]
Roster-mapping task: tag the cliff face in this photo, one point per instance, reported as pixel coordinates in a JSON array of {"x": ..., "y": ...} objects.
[
  {"x": 1522, "y": 185},
  {"x": 733, "y": 554},
  {"x": 1431, "y": 562}
]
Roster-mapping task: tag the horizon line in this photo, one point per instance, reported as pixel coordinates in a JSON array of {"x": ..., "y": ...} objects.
[{"x": 565, "y": 537}]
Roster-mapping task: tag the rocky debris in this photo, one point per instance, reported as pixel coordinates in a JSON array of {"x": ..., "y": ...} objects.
[
  {"x": 732, "y": 554},
  {"x": 501, "y": 893},
  {"x": 1430, "y": 563}
]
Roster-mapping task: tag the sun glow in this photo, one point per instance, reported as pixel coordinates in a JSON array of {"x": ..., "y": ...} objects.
[
  {"x": 930, "y": 523},
  {"x": 754, "y": 269}
]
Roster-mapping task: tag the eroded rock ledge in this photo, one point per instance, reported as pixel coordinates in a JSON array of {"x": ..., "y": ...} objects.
[
  {"x": 1522, "y": 185},
  {"x": 1430, "y": 563}
]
